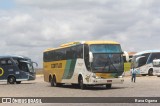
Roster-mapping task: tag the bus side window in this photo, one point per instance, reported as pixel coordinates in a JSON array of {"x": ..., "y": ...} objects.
[
  {"x": 80, "y": 51},
  {"x": 4, "y": 62},
  {"x": 154, "y": 56}
]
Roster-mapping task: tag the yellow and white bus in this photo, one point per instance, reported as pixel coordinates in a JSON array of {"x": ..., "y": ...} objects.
[{"x": 84, "y": 63}]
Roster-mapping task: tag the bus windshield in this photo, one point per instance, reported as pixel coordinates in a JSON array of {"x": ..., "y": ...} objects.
[
  {"x": 107, "y": 63},
  {"x": 30, "y": 67},
  {"x": 25, "y": 66},
  {"x": 105, "y": 48},
  {"x": 107, "y": 58}
]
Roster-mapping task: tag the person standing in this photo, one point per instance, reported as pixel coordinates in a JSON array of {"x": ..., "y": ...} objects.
[{"x": 133, "y": 73}]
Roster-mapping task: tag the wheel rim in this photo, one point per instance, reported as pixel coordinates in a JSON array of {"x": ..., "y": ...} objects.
[
  {"x": 54, "y": 81},
  {"x": 11, "y": 80},
  {"x": 81, "y": 83},
  {"x": 150, "y": 72}
]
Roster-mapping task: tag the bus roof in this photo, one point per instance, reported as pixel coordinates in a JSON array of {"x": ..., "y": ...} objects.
[
  {"x": 16, "y": 56},
  {"x": 101, "y": 42},
  {"x": 82, "y": 42},
  {"x": 147, "y": 51}
]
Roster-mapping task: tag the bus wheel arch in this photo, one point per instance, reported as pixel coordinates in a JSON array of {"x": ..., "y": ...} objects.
[
  {"x": 150, "y": 72},
  {"x": 11, "y": 79},
  {"x": 80, "y": 82}
]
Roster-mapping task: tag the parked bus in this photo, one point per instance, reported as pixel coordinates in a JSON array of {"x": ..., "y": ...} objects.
[
  {"x": 143, "y": 61},
  {"x": 156, "y": 67},
  {"x": 15, "y": 69},
  {"x": 84, "y": 63}
]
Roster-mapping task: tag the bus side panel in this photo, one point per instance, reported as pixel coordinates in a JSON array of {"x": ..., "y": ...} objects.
[
  {"x": 8, "y": 70},
  {"x": 69, "y": 69},
  {"x": 54, "y": 68},
  {"x": 3, "y": 73},
  {"x": 72, "y": 71}
]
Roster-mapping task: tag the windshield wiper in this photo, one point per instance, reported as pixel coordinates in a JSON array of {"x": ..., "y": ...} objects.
[
  {"x": 106, "y": 64},
  {"x": 110, "y": 63}
]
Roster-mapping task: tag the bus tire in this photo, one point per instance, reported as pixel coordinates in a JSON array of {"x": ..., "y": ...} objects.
[
  {"x": 81, "y": 85},
  {"x": 108, "y": 86},
  {"x": 11, "y": 79},
  {"x": 51, "y": 81},
  {"x": 150, "y": 72},
  {"x": 18, "y": 82},
  {"x": 54, "y": 82}
]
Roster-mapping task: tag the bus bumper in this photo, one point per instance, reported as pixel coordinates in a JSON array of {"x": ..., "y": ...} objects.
[
  {"x": 96, "y": 81},
  {"x": 32, "y": 77}
]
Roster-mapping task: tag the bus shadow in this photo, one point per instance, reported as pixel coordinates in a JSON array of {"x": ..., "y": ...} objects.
[
  {"x": 28, "y": 83},
  {"x": 17, "y": 84},
  {"x": 94, "y": 88}
]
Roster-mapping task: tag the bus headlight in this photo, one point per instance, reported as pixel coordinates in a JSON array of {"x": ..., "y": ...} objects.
[
  {"x": 120, "y": 76},
  {"x": 94, "y": 76}
]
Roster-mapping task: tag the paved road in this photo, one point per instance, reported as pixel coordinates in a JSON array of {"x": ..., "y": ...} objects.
[{"x": 148, "y": 86}]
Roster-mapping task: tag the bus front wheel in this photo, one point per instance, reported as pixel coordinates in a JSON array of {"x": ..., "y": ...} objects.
[
  {"x": 150, "y": 72},
  {"x": 11, "y": 80},
  {"x": 108, "y": 86},
  {"x": 82, "y": 86}
]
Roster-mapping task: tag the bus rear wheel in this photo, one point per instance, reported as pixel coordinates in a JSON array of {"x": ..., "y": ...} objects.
[
  {"x": 54, "y": 82},
  {"x": 11, "y": 80}
]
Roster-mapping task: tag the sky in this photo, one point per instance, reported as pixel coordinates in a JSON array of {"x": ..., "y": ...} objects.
[{"x": 28, "y": 27}]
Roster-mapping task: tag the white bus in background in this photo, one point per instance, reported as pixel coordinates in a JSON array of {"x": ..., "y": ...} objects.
[
  {"x": 143, "y": 61},
  {"x": 156, "y": 67}
]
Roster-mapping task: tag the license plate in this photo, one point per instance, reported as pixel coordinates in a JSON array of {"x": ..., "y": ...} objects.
[{"x": 109, "y": 80}]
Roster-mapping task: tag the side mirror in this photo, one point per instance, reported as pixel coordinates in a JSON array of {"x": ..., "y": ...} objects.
[
  {"x": 90, "y": 57},
  {"x": 35, "y": 63},
  {"x": 127, "y": 56}
]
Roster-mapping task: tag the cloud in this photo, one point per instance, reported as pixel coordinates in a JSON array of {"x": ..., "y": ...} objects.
[{"x": 34, "y": 25}]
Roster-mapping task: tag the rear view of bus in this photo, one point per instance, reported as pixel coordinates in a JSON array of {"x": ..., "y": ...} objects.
[
  {"x": 15, "y": 69},
  {"x": 86, "y": 63}
]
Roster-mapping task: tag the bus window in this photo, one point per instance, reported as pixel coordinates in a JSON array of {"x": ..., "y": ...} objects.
[
  {"x": 153, "y": 57},
  {"x": 6, "y": 62},
  {"x": 142, "y": 61},
  {"x": 23, "y": 66},
  {"x": 79, "y": 51}
]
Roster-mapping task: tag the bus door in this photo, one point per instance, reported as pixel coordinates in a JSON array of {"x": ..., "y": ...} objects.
[
  {"x": 23, "y": 70},
  {"x": 27, "y": 70},
  {"x": 6, "y": 68}
]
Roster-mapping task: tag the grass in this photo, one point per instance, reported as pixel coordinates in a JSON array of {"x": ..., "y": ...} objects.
[{"x": 127, "y": 66}]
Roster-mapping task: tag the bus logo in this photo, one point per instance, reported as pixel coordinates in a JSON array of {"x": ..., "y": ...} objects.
[
  {"x": 1, "y": 71},
  {"x": 56, "y": 65},
  {"x": 6, "y": 100}
]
